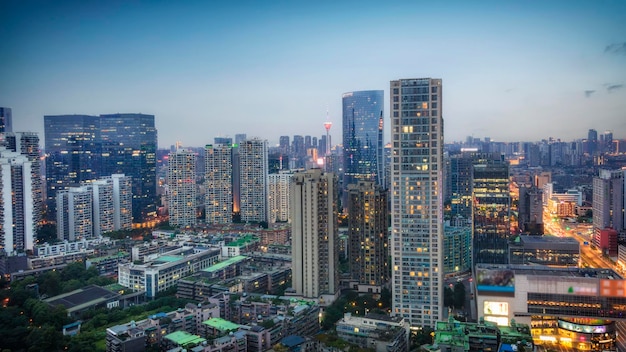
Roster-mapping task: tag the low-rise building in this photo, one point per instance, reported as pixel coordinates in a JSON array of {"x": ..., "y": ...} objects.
[{"x": 379, "y": 332}]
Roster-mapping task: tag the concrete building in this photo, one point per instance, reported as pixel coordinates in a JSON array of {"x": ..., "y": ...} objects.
[
  {"x": 181, "y": 182},
  {"x": 315, "y": 242},
  {"x": 278, "y": 193},
  {"x": 161, "y": 272},
  {"x": 253, "y": 180},
  {"x": 457, "y": 248},
  {"x": 368, "y": 234},
  {"x": 6, "y": 120},
  {"x": 608, "y": 200},
  {"x": 219, "y": 183},
  {"x": 530, "y": 208},
  {"x": 544, "y": 250},
  {"x": 381, "y": 333},
  {"x": 17, "y": 201},
  {"x": 75, "y": 213},
  {"x": 417, "y": 200}
]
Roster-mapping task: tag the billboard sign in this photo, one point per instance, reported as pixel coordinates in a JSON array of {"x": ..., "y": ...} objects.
[{"x": 495, "y": 280}]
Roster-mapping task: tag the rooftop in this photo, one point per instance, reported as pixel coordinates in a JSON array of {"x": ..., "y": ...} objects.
[
  {"x": 82, "y": 298},
  {"x": 221, "y": 324},
  {"x": 223, "y": 264},
  {"x": 552, "y": 271},
  {"x": 183, "y": 338}
]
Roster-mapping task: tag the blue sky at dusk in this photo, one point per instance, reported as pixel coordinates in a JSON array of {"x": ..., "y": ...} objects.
[{"x": 511, "y": 70}]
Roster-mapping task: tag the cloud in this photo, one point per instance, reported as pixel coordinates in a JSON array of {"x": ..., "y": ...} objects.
[
  {"x": 613, "y": 87},
  {"x": 616, "y": 48},
  {"x": 589, "y": 92}
]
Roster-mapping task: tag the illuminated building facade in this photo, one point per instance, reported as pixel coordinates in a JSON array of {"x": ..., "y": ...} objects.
[
  {"x": 315, "y": 242},
  {"x": 362, "y": 136},
  {"x": 368, "y": 236},
  {"x": 181, "y": 182},
  {"x": 278, "y": 192},
  {"x": 582, "y": 309},
  {"x": 491, "y": 209},
  {"x": 417, "y": 200},
  {"x": 129, "y": 144},
  {"x": 608, "y": 200},
  {"x": 253, "y": 171},
  {"x": 219, "y": 183}
]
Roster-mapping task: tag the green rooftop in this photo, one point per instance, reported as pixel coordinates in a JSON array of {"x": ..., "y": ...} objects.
[
  {"x": 184, "y": 339},
  {"x": 243, "y": 240},
  {"x": 223, "y": 264},
  {"x": 221, "y": 324}
]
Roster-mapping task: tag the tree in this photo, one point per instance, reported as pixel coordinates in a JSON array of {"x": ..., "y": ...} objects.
[
  {"x": 448, "y": 297},
  {"x": 459, "y": 295}
]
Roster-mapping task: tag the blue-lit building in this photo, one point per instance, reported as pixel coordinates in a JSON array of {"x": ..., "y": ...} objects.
[
  {"x": 72, "y": 153},
  {"x": 129, "y": 144},
  {"x": 81, "y": 148},
  {"x": 363, "y": 137}
]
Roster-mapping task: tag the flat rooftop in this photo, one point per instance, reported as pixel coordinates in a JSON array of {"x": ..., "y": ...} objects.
[
  {"x": 221, "y": 324},
  {"x": 183, "y": 338},
  {"x": 223, "y": 264},
  {"x": 551, "y": 271},
  {"x": 82, "y": 298}
]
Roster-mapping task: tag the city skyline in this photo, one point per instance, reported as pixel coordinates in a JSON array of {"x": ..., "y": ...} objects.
[{"x": 513, "y": 72}]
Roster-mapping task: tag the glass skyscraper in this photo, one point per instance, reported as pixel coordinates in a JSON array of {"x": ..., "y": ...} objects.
[
  {"x": 363, "y": 137},
  {"x": 72, "y": 153},
  {"x": 81, "y": 148},
  {"x": 129, "y": 144},
  {"x": 417, "y": 200}
]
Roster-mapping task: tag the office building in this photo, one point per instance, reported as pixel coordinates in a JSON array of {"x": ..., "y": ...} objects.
[
  {"x": 368, "y": 236},
  {"x": 6, "y": 120},
  {"x": 417, "y": 200},
  {"x": 608, "y": 200},
  {"x": 544, "y": 250},
  {"x": 315, "y": 240},
  {"x": 253, "y": 171},
  {"x": 72, "y": 154},
  {"x": 18, "y": 222},
  {"x": 278, "y": 193},
  {"x": 219, "y": 183},
  {"x": 81, "y": 148},
  {"x": 363, "y": 136},
  {"x": 592, "y": 142},
  {"x": 491, "y": 212},
  {"x": 181, "y": 183},
  {"x": 129, "y": 144},
  {"x": 530, "y": 209}
]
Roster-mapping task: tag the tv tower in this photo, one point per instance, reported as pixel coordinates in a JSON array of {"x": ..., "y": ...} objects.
[{"x": 327, "y": 126}]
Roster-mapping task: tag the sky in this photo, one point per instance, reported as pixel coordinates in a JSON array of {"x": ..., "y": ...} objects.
[{"x": 511, "y": 70}]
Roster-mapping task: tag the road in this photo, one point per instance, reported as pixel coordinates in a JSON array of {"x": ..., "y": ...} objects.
[{"x": 590, "y": 257}]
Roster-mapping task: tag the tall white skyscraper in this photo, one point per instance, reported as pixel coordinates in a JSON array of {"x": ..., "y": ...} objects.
[
  {"x": 253, "y": 173},
  {"x": 181, "y": 183},
  {"x": 278, "y": 195},
  {"x": 122, "y": 201},
  {"x": 315, "y": 240},
  {"x": 417, "y": 200},
  {"x": 17, "y": 220},
  {"x": 219, "y": 183},
  {"x": 75, "y": 213}
]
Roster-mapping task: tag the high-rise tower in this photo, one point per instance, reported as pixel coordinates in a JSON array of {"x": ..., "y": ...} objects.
[
  {"x": 181, "y": 183},
  {"x": 417, "y": 200},
  {"x": 362, "y": 144},
  {"x": 368, "y": 235},
  {"x": 72, "y": 153},
  {"x": 6, "y": 120},
  {"x": 219, "y": 183},
  {"x": 129, "y": 144},
  {"x": 315, "y": 242},
  {"x": 253, "y": 171},
  {"x": 17, "y": 218}
]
